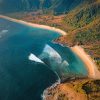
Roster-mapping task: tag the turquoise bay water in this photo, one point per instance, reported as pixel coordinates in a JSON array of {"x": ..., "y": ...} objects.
[{"x": 24, "y": 79}]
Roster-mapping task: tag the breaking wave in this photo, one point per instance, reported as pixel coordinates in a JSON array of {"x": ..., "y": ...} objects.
[
  {"x": 51, "y": 56},
  {"x": 32, "y": 57},
  {"x": 45, "y": 92},
  {"x": 2, "y": 32},
  {"x": 53, "y": 59}
]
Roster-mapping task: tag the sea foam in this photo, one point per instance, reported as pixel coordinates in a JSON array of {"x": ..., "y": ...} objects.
[
  {"x": 3, "y": 31},
  {"x": 45, "y": 92},
  {"x": 52, "y": 55},
  {"x": 32, "y": 57}
]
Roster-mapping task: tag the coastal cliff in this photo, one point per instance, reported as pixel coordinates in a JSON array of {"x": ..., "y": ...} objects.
[
  {"x": 81, "y": 21},
  {"x": 82, "y": 89}
]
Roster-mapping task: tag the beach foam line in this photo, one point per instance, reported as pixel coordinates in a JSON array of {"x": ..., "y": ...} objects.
[
  {"x": 35, "y": 25},
  {"x": 93, "y": 72},
  {"x": 45, "y": 92}
]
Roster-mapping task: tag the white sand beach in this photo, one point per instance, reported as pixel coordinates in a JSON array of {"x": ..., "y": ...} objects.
[
  {"x": 35, "y": 25},
  {"x": 93, "y": 72},
  {"x": 91, "y": 67}
]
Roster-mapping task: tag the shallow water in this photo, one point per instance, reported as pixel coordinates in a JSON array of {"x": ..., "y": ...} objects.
[{"x": 25, "y": 79}]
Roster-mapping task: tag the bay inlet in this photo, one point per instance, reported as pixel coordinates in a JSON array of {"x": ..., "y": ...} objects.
[{"x": 22, "y": 78}]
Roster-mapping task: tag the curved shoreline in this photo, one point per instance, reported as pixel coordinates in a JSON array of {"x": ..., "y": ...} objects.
[
  {"x": 93, "y": 72},
  {"x": 45, "y": 92},
  {"x": 35, "y": 25},
  {"x": 90, "y": 65}
]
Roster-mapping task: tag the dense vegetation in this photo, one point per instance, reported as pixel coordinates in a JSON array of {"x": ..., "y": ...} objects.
[
  {"x": 85, "y": 28},
  {"x": 81, "y": 23},
  {"x": 89, "y": 87},
  {"x": 46, "y": 6},
  {"x": 80, "y": 19}
]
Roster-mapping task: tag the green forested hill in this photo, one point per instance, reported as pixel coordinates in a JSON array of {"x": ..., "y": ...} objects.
[
  {"x": 84, "y": 21},
  {"x": 56, "y": 6},
  {"x": 81, "y": 21},
  {"x": 79, "y": 18}
]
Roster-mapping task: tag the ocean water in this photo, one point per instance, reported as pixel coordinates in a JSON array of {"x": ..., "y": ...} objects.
[{"x": 29, "y": 61}]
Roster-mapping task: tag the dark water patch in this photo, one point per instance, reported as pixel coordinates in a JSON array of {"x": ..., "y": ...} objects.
[{"x": 23, "y": 79}]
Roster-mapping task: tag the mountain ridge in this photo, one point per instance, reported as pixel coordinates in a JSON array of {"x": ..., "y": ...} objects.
[
  {"x": 56, "y": 6},
  {"x": 81, "y": 21}
]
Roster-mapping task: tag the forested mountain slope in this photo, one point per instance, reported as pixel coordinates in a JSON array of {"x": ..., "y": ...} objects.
[{"x": 56, "y": 6}]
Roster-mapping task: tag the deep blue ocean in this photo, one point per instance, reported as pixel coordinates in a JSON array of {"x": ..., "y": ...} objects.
[{"x": 22, "y": 78}]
